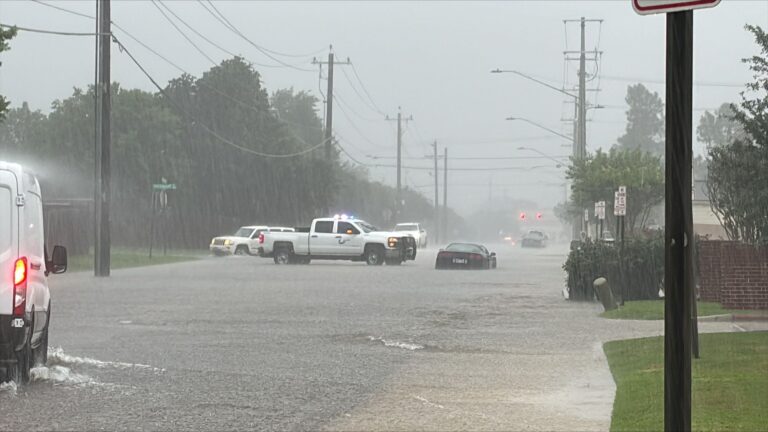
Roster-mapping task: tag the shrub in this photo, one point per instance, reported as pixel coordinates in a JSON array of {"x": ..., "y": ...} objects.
[{"x": 637, "y": 267}]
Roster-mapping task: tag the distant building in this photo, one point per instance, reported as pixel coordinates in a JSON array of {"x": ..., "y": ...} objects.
[{"x": 705, "y": 222}]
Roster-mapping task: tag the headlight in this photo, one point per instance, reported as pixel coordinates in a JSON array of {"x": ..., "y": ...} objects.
[
  {"x": 228, "y": 242},
  {"x": 392, "y": 242}
]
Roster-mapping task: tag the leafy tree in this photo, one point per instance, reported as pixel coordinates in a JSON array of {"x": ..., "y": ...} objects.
[
  {"x": 5, "y": 36},
  {"x": 738, "y": 172},
  {"x": 719, "y": 128},
  {"x": 645, "y": 121},
  {"x": 598, "y": 176}
]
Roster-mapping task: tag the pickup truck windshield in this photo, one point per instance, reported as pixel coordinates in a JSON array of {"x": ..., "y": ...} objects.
[
  {"x": 244, "y": 232},
  {"x": 365, "y": 226}
]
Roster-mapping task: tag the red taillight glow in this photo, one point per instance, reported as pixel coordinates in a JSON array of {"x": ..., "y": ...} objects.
[
  {"x": 476, "y": 257},
  {"x": 19, "y": 287},
  {"x": 20, "y": 271}
]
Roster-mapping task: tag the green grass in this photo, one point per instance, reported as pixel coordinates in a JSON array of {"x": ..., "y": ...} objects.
[
  {"x": 132, "y": 258},
  {"x": 654, "y": 310},
  {"x": 729, "y": 387}
]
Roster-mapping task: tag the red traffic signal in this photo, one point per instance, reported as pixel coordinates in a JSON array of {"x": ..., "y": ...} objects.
[
  {"x": 522, "y": 216},
  {"x": 538, "y": 215}
]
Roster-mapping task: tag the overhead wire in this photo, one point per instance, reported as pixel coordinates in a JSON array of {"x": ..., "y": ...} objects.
[
  {"x": 359, "y": 95},
  {"x": 199, "y": 34},
  {"x": 50, "y": 32},
  {"x": 181, "y": 32},
  {"x": 206, "y": 128},
  {"x": 267, "y": 52}
]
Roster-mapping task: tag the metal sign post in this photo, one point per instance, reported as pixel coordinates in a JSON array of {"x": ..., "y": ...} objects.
[{"x": 678, "y": 212}]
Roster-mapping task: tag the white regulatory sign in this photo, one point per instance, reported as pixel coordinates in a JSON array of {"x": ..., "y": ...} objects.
[
  {"x": 648, "y": 7},
  {"x": 620, "y": 202}
]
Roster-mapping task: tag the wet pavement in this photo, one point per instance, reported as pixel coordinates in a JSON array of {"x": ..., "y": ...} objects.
[{"x": 239, "y": 343}]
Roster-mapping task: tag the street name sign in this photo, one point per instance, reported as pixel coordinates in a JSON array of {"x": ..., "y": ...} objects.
[
  {"x": 648, "y": 7},
  {"x": 164, "y": 186}
]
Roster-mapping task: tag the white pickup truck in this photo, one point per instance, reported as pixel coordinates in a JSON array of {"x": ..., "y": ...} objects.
[{"x": 338, "y": 239}]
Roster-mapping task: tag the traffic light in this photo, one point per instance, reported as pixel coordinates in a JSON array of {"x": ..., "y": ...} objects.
[
  {"x": 522, "y": 216},
  {"x": 538, "y": 215}
]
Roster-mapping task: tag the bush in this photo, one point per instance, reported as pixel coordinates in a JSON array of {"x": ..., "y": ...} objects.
[{"x": 638, "y": 267}]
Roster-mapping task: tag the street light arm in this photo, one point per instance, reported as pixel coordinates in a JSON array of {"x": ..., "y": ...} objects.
[
  {"x": 536, "y": 81},
  {"x": 552, "y": 131},
  {"x": 559, "y": 162}
]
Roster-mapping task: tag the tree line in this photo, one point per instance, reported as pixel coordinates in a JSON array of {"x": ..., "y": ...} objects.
[{"x": 237, "y": 155}]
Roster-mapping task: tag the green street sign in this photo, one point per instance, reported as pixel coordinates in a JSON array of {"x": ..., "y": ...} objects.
[{"x": 164, "y": 186}]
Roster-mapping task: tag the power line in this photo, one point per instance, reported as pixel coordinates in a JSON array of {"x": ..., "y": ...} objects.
[
  {"x": 198, "y": 33},
  {"x": 362, "y": 85},
  {"x": 50, "y": 32},
  {"x": 226, "y": 23},
  {"x": 181, "y": 32},
  {"x": 193, "y": 121},
  {"x": 475, "y": 157},
  {"x": 354, "y": 126},
  {"x": 354, "y": 88},
  {"x": 64, "y": 9}
]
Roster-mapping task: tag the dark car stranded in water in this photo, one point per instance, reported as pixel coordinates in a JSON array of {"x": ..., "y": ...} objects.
[
  {"x": 465, "y": 256},
  {"x": 25, "y": 301}
]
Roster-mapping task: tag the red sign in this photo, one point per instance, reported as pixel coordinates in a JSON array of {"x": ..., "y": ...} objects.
[{"x": 647, "y": 7}]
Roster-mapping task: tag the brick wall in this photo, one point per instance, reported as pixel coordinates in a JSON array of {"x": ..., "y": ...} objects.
[{"x": 734, "y": 274}]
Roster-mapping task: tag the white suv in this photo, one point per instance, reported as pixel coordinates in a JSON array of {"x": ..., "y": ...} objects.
[
  {"x": 245, "y": 241},
  {"x": 25, "y": 301},
  {"x": 415, "y": 230}
]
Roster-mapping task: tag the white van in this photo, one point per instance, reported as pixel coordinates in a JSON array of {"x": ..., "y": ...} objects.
[{"x": 25, "y": 301}]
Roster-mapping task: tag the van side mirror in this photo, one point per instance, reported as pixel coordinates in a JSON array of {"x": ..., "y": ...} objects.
[{"x": 58, "y": 263}]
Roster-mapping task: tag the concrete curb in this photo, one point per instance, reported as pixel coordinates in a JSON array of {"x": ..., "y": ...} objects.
[{"x": 734, "y": 317}]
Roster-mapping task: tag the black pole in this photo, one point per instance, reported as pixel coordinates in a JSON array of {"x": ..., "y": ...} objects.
[
  {"x": 103, "y": 173},
  {"x": 329, "y": 111},
  {"x": 444, "y": 237},
  {"x": 399, "y": 193},
  {"x": 437, "y": 204},
  {"x": 678, "y": 236}
]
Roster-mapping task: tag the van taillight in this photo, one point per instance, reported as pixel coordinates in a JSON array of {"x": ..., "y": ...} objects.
[
  {"x": 261, "y": 238},
  {"x": 19, "y": 286}
]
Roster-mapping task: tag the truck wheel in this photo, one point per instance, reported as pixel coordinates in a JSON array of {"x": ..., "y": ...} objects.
[
  {"x": 374, "y": 255},
  {"x": 283, "y": 256},
  {"x": 241, "y": 250},
  {"x": 40, "y": 354},
  {"x": 19, "y": 372}
]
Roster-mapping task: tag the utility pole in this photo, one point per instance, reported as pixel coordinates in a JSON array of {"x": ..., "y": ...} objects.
[
  {"x": 329, "y": 101},
  {"x": 580, "y": 107},
  {"x": 437, "y": 204},
  {"x": 102, "y": 193},
  {"x": 583, "y": 92},
  {"x": 399, "y": 120},
  {"x": 445, "y": 194}
]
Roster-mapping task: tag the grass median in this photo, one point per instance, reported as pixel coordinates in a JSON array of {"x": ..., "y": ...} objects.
[
  {"x": 729, "y": 383},
  {"x": 654, "y": 310},
  {"x": 132, "y": 258}
]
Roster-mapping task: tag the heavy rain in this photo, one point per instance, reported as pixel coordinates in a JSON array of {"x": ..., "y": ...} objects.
[{"x": 247, "y": 215}]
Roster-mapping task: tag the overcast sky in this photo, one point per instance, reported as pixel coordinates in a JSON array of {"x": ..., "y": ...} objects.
[{"x": 431, "y": 58}]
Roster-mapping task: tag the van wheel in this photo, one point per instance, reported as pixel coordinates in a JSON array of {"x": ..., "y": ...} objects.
[
  {"x": 283, "y": 256},
  {"x": 374, "y": 255},
  {"x": 40, "y": 354},
  {"x": 241, "y": 250}
]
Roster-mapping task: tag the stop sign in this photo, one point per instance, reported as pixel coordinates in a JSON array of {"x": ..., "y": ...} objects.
[{"x": 647, "y": 7}]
